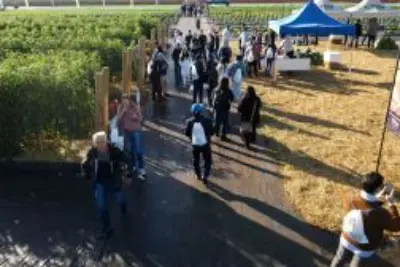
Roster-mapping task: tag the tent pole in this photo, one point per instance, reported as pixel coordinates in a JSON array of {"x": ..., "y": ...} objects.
[{"x": 378, "y": 162}]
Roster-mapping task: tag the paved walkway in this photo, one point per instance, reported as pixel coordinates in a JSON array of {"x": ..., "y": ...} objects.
[{"x": 241, "y": 219}]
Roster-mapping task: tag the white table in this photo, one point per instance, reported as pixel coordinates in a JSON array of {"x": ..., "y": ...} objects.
[
  {"x": 293, "y": 64},
  {"x": 332, "y": 57}
]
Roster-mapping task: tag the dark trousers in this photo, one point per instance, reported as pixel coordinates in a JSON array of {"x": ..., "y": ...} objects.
[
  {"x": 210, "y": 91},
  {"x": 178, "y": 75},
  {"x": 268, "y": 66},
  {"x": 197, "y": 91},
  {"x": 251, "y": 65},
  {"x": 344, "y": 256},
  {"x": 354, "y": 41},
  {"x": 221, "y": 122},
  {"x": 371, "y": 41},
  {"x": 205, "y": 153},
  {"x": 156, "y": 88},
  {"x": 102, "y": 191},
  {"x": 250, "y": 137}
]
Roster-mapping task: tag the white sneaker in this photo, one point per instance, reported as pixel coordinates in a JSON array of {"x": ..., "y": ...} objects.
[{"x": 142, "y": 173}]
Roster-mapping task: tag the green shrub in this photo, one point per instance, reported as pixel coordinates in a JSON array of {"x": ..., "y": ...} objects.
[
  {"x": 386, "y": 43},
  {"x": 45, "y": 93}
]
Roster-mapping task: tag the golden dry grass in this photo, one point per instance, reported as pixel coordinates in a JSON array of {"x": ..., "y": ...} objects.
[{"x": 325, "y": 127}]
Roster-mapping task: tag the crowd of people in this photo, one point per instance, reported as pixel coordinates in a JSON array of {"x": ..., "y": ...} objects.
[{"x": 204, "y": 62}]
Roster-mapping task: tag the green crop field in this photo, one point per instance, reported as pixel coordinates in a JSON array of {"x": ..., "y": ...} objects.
[{"x": 47, "y": 67}]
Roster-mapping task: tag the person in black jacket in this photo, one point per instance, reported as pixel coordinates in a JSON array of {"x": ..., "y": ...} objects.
[
  {"x": 358, "y": 33},
  {"x": 212, "y": 75},
  {"x": 188, "y": 39},
  {"x": 222, "y": 105},
  {"x": 103, "y": 165},
  {"x": 200, "y": 129},
  {"x": 249, "y": 109},
  {"x": 176, "y": 53},
  {"x": 198, "y": 80},
  {"x": 203, "y": 43}
]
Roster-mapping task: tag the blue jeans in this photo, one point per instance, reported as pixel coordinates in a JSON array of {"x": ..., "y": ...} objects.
[
  {"x": 197, "y": 91},
  {"x": 136, "y": 149},
  {"x": 178, "y": 75},
  {"x": 102, "y": 190}
]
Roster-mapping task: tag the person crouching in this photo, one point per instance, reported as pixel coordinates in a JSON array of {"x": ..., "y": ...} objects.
[
  {"x": 200, "y": 129},
  {"x": 103, "y": 165}
]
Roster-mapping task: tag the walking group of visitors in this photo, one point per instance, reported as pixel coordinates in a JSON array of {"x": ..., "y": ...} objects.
[{"x": 201, "y": 62}]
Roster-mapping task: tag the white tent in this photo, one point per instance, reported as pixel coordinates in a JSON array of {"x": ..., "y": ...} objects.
[
  {"x": 331, "y": 9},
  {"x": 372, "y": 9}
]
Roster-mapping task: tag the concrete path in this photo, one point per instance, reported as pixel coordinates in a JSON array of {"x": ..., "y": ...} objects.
[{"x": 241, "y": 219}]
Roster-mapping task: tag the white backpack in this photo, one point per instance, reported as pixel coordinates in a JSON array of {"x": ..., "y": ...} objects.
[
  {"x": 198, "y": 135},
  {"x": 353, "y": 226},
  {"x": 193, "y": 72},
  {"x": 250, "y": 56}
]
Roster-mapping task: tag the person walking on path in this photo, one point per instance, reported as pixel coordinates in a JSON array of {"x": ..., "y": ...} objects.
[
  {"x": 199, "y": 129},
  {"x": 222, "y": 105},
  {"x": 153, "y": 70},
  {"x": 212, "y": 74},
  {"x": 203, "y": 43},
  {"x": 185, "y": 64},
  {"x": 250, "y": 56},
  {"x": 365, "y": 222},
  {"x": 176, "y": 53},
  {"x": 162, "y": 64},
  {"x": 130, "y": 121},
  {"x": 188, "y": 39},
  {"x": 211, "y": 45},
  {"x": 197, "y": 74},
  {"x": 249, "y": 109},
  {"x": 236, "y": 73},
  {"x": 244, "y": 37},
  {"x": 103, "y": 166}
]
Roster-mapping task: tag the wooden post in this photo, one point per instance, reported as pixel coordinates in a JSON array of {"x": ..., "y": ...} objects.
[
  {"x": 97, "y": 115},
  {"x": 105, "y": 81},
  {"x": 153, "y": 35},
  {"x": 124, "y": 74},
  {"x": 129, "y": 54},
  {"x": 142, "y": 63},
  {"x": 165, "y": 35},
  {"x": 159, "y": 34}
]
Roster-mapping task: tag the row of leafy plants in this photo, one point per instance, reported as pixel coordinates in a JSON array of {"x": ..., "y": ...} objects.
[
  {"x": 47, "y": 66},
  {"x": 258, "y": 16}
]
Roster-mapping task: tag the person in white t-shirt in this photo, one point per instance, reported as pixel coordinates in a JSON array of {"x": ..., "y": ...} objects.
[
  {"x": 226, "y": 36},
  {"x": 269, "y": 57},
  {"x": 200, "y": 129},
  {"x": 243, "y": 39},
  {"x": 287, "y": 47}
]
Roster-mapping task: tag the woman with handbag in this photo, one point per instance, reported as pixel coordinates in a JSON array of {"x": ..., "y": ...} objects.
[{"x": 249, "y": 109}]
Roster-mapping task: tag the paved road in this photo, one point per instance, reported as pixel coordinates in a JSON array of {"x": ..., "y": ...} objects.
[{"x": 241, "y": 219}]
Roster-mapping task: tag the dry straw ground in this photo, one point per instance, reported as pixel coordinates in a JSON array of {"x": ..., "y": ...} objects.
[{"x": 326, "y": 126}]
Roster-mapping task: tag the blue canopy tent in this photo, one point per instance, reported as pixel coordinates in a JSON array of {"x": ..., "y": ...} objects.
[{"x": 310, "y": 20}]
